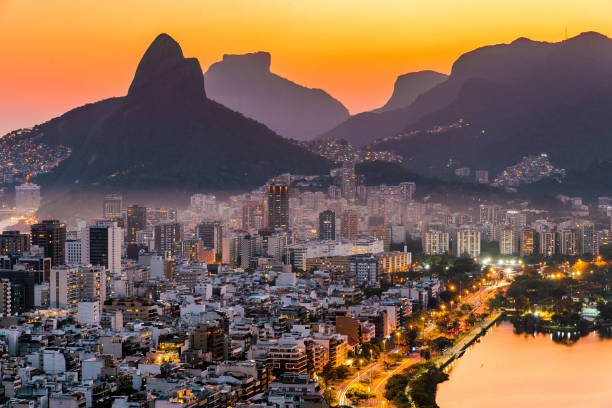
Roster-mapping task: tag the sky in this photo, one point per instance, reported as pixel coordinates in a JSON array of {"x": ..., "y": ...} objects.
[{"x": 60, "y": 54}]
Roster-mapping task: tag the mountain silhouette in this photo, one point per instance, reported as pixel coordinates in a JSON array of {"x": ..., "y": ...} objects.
[
  {"x": 166, "y": 133},
  {"x": 521, "y": 98},
  {"x": 409, "y": 86},
  {"x": 244, "y": 83},
  {"x": 498, "y": 63}
]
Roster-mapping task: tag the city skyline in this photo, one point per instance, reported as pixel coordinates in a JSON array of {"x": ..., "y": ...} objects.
[
  {"x": 52, "y": 67},
  {"x": 200, "y": 217}
]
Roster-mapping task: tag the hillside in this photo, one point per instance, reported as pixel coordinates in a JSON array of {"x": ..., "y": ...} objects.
[{"x": 165, "y": 133}]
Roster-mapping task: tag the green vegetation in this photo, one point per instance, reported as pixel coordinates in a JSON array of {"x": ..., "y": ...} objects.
[
  {"x": 415, "y": 387},
  {"x": 359, "y": 392},
  {"x": 331, "y": 374}
]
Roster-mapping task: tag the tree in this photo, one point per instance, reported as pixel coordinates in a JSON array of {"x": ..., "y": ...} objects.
[
  {"x": 330, "y": 396},
  {"x": 443, "y": 322},
  {"x": 466, "y": 307},
  {"x": 395, "y": 386},
  {"x": 497, "y": 302},
  {"x": 395, "y": 357},
  {"x": 442, "y": 343},
  {"x": 522, "y": 303},
  {"x": 605, "y": 310},
  {"x": 425, "y": 354},
  {"x": 358, "y": 392},
  {"x": 471, "y": 320}
]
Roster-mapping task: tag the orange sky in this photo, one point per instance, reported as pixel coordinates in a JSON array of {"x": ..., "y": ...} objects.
[{"x": 59, "y": 54}]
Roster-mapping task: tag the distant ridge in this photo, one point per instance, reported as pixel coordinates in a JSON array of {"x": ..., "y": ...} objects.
[{"x": 515, "y": 99}]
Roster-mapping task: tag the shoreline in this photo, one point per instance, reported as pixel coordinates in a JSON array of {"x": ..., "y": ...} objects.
[{"x": 458, "y": 350}]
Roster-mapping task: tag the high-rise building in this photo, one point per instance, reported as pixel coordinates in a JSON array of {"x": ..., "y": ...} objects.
[
  {"x": 6, "y": 298},
  {"x": 112, "y": 206},
  {"x": 348, "y": 181},
  {"x": 278, "y": 206},
  {"x": 73, "y": 252},
  {"x": 507, "y": 241},
  {"x": 101, "y": 245},
  {"x": 210, "y": 338},
  {"x": 589, "y": 243},
  {"x": 516, "y": 219},
  {"x": 63, "y": 288},
  {"x": 467, "y": 242},
  {"x": 168, "y": 239},
  {"x": 482, "y": 176},
  {"x": 252, "y": 216},
  {"x": 136, "y": 220},
  {"x": 463, "y": 172},
  {"x": 14, "y": 242},
  {"x": 247, "y": 248},
  {"x": 23, "y": 283},
  {"x": 527, "y": 242},
  {"x": 27, "y": 197},
  {"x": 88, "y": 312},
  {"x": 327, "y": 226},
  {"x": 70, "y": 284},
  {"x": 364, "y": 268},
  {"x": 490, "y": 214},
  {"x": 277, "y": 246},
  {"x": 349, "y": 225},
  {"x": 211, "y": 234},
  {"x": 51, "y": 236},
  {"x": 436, "y": 242},
  {"x": 566, "y": 242},
  {"x": 194, "y": 250},
  {"x": 407, "y": 190},
  {"x": 203, "y": 202},
  {"x": 161, "y": 215},
  {"x": 547, "y": 242}
]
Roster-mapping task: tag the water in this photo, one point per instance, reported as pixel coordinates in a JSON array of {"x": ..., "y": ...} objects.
[{"x": 506, "y": 370}]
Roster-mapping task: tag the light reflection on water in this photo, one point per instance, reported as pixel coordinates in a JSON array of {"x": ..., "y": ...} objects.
[{"x": 506, "y": 370}]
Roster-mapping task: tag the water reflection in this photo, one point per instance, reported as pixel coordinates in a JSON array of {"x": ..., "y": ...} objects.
[{"x": 531, "y": 370}]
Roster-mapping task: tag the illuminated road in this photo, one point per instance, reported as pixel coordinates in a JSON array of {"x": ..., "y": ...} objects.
[
  {"x": 477, "y": 300},
  {"x": 378, "y": 385},
  {"x": 342, "y": 400},
  {"x": 379, "y": 388}
]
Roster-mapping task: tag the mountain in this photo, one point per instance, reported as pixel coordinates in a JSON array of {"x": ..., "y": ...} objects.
[
  {"x": 408, "y": 102},
  {"x": 244, "y": 83},
  {"x": 502, "y": 63},
  {"x": 409, "y": 86},
  {"x": 165, "y": 133},
  {"x": 516, "y": 99}
]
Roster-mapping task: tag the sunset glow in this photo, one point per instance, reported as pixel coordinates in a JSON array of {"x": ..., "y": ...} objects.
[{"x": 61, "y": 54}]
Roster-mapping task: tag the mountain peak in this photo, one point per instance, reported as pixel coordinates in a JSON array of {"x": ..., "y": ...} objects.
[
  {"x": 244, "y": 83},
  {"x": 409, "y": 86},
  {"x": 522, "y": 40},
  {"x": 591, "y": 34},
  {"x": 587, "y": 37},
  {"x": 163, "y": 66},
  {"x": 255, "y": 60}
]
